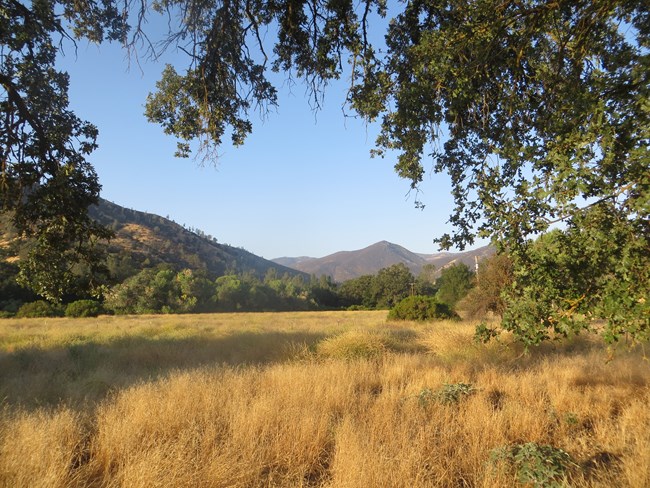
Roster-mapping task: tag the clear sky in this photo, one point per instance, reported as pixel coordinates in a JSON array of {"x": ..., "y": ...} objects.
[{"x": 303, "y": 184}]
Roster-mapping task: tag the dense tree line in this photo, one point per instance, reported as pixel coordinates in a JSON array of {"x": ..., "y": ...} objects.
[{"x": 163, "y": 289}]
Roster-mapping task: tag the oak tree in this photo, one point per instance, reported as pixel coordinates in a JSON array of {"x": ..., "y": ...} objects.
[{"x": 46, "y": 182}]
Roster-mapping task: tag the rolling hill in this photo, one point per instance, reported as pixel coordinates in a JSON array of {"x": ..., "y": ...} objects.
[
  {"x": 345, "y": 265},
  {"x": 143, "y": 240},
  {"x": 146, "y": 239}
]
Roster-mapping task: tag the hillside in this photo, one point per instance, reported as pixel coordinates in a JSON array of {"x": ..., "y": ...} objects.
[
  {"x": 346, "y": 265},
  {"x": 144, "y": 239}
]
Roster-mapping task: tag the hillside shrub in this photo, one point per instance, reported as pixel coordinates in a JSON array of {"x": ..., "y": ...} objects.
[
  {"x": 421, "y": 308},
  {"x": 84, "y": 308},
  {"x": 39, "y": 308}
]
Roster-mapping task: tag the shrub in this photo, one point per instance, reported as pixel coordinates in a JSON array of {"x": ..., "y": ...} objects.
[
  {"x": 534, "y": 464},
  {"x": 39, "y": 308},
  {"x": 421, "y": 308},
  {"x": 10, "y": 306},
  {"x": 493, "y": 277},
  {"x": 84, "y": 308},
  {"x": 447, "y": 394}
]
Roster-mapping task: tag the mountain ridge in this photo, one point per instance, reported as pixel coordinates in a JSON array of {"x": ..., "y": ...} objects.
[
  {"x": 149, "y": 239},
  {"x": 346, "y": 265},
  {"x": 145, "y": 240}
]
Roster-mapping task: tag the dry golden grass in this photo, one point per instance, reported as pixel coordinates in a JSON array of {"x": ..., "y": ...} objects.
[{"x": 306, "y": 400}]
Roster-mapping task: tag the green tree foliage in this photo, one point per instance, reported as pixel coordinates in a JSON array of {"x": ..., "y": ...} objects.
[
  {"x": 545, "y": 109},
  {"x": 12, "y": 295},
  {"x": 83, "y": 308},
  {"x": 425, "y": 283},
  {"x": 392, "y": 285},
  {"x": 422, "y": 308},
  {"x": 231, "y": 293},
  {"x": 163, "y": 290},
  {"x": 45, "y": 181},
  {"x": 537, "y": 110},
  {"x": 195, "y": 292},
  {"x": 569, "y": 280},
  {"x": 383, "y": 290},
  {"x": 358, "y": 292},
  {"x": 39, "y": 308},
  {"x": 286, "y": 292},
  {"x": 150, "y": 291},
  {"x": 454, "y": 283},
  {"x": 323, "y": 291}
]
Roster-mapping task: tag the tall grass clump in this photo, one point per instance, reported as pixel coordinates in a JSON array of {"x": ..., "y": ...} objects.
[
  {"x": 40, "y": 449},
  {"x": 356, "y": 344}
]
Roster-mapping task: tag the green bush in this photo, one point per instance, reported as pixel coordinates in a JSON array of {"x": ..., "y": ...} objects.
[
  {"x": 84, "y": 308},
  {"x": 10, "y": 306},
  {"x": 534, "y": 464},
  {"x": 421, "y": 308},
  {"x": 39, "y": 308}
]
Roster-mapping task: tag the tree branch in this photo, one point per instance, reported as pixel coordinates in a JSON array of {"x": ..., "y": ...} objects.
[{"x": 16, "y": 99}]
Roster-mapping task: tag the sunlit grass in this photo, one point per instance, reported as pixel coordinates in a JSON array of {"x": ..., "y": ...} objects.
[{"x": 306, "y": 399}]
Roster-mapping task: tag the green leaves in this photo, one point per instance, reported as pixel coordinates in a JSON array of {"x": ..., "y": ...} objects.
[
  {"x": 421, "y": 308},
  {"x": 46, "y": 184},
  {"x": 596, "y": 268},
  {"x": 229, "y": 60},
  {"x": 454, "y": 283},
  {"x": 534, "y": 464}
]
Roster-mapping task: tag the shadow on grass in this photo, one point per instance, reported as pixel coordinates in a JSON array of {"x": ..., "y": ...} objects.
[{"x": 85, "y": 372}]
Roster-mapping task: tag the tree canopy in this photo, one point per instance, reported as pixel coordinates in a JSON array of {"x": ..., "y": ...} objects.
[
  {"x": 45, "y": 178},
  {"x": 537, "y": 110}
]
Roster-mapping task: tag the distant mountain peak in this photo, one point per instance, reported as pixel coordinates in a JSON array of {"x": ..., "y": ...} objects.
[{"x": 345, "y": 265}]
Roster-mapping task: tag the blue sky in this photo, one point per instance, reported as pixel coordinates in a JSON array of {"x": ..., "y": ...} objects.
[{"x": 303, "y": 184}]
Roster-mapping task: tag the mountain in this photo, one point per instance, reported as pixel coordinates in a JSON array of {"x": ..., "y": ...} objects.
[
  {"x": 292, "y": 262},
  {"x": 143, "y": 240},
  {"x": 346, "y": 265}
]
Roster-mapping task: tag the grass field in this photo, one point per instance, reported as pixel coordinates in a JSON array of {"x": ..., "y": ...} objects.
[{"x": 332, "y": 399}]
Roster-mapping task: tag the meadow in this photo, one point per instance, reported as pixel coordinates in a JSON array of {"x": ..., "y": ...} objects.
[{"x": 313, "y": 399}]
